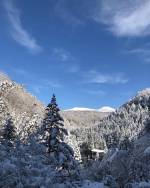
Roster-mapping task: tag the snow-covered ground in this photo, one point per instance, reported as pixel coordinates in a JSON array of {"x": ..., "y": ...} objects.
[
  {"x": 140, "y": 185},
  {"x": 85, "y": 184}
]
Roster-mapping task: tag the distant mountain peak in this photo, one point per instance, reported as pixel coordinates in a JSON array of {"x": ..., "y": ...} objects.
[
  {"x": 80, "y": 109},
  {"x": 104, "y": 109}
]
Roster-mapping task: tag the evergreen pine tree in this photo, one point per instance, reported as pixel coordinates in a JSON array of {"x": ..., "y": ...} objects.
[
  {"x": 60, "y": 152},
  {"x": 126, "y": 143},
  {"x": 8, "y": 133},
  {"x": 147, "y": 125}
]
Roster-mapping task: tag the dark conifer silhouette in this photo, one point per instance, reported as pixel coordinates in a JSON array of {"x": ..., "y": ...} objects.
[
  {"x": 59, "y": 151},
  {"x": 8, "y": 134}
]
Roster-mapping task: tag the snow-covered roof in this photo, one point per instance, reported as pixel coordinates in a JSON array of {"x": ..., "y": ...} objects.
[{"x": 98, "y": 150}]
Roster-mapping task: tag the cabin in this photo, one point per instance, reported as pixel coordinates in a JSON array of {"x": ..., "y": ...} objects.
[
  {"x": 88, "y": 154},
  {"x": 98, "y": 154}
]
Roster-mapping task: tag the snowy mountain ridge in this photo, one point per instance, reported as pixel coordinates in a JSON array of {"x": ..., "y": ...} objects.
[
  {"x": 102, "y": 109},
  {"x": 106, "y": 109},
  {"x": 80, "y": 109}
]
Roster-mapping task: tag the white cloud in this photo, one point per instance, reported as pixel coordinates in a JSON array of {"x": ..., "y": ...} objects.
[
  {"x": 124, "y": 18},
  {"x": 127, "y": 18},
  {"x": 99, "y": 78},
  {"x": 18, "y": 32}
]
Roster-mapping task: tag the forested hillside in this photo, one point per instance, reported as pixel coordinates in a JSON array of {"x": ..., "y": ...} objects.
[
  {"x": 128, "y": 121},
  {"x": 36, "y": 150}
]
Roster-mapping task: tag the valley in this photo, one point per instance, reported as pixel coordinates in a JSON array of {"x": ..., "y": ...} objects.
[{"x": 122, "y": 136}]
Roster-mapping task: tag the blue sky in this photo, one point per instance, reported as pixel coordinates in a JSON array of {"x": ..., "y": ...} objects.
[{"x": 89, "y": 53}]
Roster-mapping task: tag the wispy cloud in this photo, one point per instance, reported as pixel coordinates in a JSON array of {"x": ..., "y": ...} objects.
[
  {"x": 124, "y": 18},
  {"x": 62, "y": 55},
  {"x": 141, "y": 53},
  {"x": 99, "y": 78},
  {"x": 67, "y": 60},
  {"x": 17, "y": 31}
]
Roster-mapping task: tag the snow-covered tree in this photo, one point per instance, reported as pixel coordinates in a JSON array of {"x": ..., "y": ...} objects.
[
  {"x": 8, "y": 133},
  {"x": 126, "y": 143},
  {"x": 60, "y": 152},
  {"x": 147, "y": 125}
]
